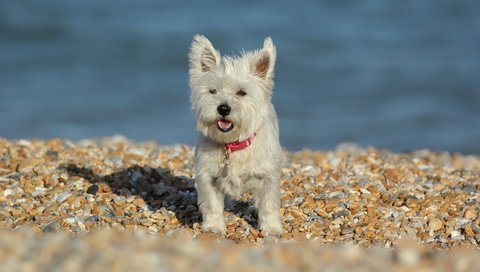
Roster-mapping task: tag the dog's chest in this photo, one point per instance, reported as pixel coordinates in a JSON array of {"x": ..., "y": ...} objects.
[
  {"x": 233, "y": 183},
  {"x": 234, "y": 175}
]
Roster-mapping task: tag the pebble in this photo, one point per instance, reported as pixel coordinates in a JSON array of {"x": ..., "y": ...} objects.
[
  {"x": 93, "y": 189},
  {"x": 469, "y": 231},
  {"x": 52, "y": 227},
  {"x": 435, "y": 224},
  {"x": 365, "y": 192},
  {"x": 138, "y": 202},
  {"x": 146, "y": 222},
  {"x": 310, "y": 170},
  {"x": 322, "y": 213},
  {"x": 470, "y": 214},
  {"x": 456, "y": 235},
  {"x": 39, "y": 191},
  {"x": 7, "y": 192},
  {"x": 60, "y": 198},
  {"x": 15, "y": 212}
]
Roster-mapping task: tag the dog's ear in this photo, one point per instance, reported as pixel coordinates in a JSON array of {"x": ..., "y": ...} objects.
[
  {"x": 264, "y": 63},
  {"x": 203, "y": 57}
]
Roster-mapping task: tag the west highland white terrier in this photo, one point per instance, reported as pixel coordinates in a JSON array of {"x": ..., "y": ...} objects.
[{"x": 238, "y": 148}]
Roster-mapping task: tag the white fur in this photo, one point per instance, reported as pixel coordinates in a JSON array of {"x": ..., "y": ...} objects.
[{"x": 256, "y": 168}]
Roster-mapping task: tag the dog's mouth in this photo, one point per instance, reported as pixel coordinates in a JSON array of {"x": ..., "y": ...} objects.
[{"x": 224, "y": 125}]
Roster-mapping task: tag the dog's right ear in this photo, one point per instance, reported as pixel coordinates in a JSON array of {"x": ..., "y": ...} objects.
[{"x": 203, "y": 57}]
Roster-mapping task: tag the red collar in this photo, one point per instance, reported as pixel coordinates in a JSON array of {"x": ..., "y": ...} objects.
[{"x": 236, "y": 146}]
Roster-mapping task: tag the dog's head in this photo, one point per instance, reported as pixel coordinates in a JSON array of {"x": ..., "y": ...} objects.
[{"x": 230, "y": 95}]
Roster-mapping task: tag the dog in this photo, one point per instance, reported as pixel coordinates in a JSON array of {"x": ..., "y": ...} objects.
[{"x": 238, "y": 148}]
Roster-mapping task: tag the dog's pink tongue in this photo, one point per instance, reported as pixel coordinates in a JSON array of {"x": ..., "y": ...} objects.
[{"x": 224, "y": 124}]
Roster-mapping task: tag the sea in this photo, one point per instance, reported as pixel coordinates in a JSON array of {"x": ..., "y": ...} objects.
[{"x": 400, "y": 75}]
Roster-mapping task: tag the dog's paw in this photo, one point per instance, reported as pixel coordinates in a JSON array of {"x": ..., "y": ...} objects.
[
  {"x": 273, "y": 227},
  {"x": 215, "y": 226}
]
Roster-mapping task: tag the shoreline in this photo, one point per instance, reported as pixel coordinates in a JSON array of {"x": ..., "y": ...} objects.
[{"x": 348, "y": 196}]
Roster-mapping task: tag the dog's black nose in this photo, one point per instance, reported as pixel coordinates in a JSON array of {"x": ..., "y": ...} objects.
[{"x": 224, "y": 109}]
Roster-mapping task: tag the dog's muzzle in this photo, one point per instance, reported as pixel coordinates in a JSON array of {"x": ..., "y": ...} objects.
[{"x": 224, "y": 125}]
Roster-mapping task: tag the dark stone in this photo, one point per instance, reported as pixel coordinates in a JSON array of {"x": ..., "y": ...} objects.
[
  {"x": 93, "y": 218},
  {"x": 92, "y": 189},
  {"x": 469, "y": 188}
]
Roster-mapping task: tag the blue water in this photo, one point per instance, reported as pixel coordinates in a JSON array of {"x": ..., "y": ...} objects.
[{"x": 401, "y": 75}]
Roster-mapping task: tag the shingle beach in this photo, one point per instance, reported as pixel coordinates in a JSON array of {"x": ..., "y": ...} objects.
[{"x": 110, "y": 203}]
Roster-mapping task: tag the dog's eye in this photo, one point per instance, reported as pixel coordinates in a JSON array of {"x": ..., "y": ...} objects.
[
  {"x": 213, "y": 91},
  {"x": 241, "y": 93}
]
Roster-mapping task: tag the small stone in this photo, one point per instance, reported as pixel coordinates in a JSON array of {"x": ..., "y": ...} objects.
[
  {"x": 307, "y": 210},
  {"x": 39, "y": 191},
  {"x": 322, "y": 213},
  {"x": 392, "y": 174},
  {"x": 52, "y": 227},
  {"x": 7, "y": 192},
  {"x": 365, "y": 192},
  {"x": 232, "y": 225},
  {"x": 456, "y": 235},
  {"x": 119, "y": 200},
  {"x": 157, "y": 216},
  {"x": 310, "y": 171},
  {"x": 153, "y": 229},
  {"x": 439, "y": 187},
  {"x": 297, "y": 214},
  {"x": 62, "y": 197},
  {"x": 337, "y": 221},
  {"x": 138, "y": 202},
  {"x": 69, "y": 221},
  {"x": 77, "y": 202},
  {"x": 93, "y": 189},
  {"x": 118, "y": 212},
  {"x": 16, "y": 212},
  {"x": 435, "y": 224},
  {"x": 146, "y": 222},
  {"x": 476, "y": 229},
  {"x": 93, "y": 218},
  {"x": 469, "y": 231},
  {"x": 470, "y": 214}
]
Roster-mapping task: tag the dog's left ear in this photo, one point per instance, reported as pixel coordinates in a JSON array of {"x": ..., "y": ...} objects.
[{"x": 264, "y": 63}]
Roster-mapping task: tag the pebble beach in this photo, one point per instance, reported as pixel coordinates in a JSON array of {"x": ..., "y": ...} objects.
[{"x": 112, "y": 203}]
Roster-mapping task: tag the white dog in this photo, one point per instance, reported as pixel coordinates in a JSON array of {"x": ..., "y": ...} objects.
[{"x": 238, "y": 148}]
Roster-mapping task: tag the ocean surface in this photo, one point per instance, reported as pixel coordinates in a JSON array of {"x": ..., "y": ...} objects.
[{"x": 401, "y": 75}]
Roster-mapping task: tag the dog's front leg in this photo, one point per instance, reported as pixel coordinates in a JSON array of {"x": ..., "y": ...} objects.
[
  {"x": 211, "y": 203},
  {"x": 268, "y": 205}
]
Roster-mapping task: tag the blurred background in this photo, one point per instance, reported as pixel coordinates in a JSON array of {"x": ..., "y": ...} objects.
[{"x": 401, "y": 75}]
